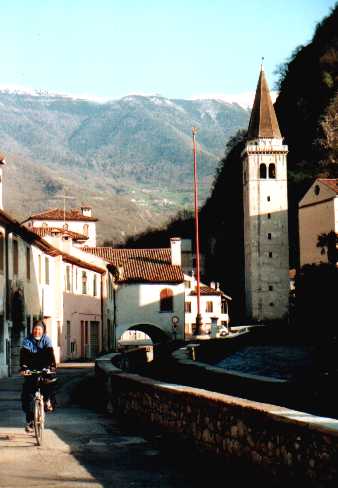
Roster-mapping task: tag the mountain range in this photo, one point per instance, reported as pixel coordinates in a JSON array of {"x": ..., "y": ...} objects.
[{"x": 131, "y": 158}]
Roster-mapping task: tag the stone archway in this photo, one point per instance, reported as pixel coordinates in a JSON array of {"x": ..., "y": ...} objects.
[{"x": 155, "y": 333}]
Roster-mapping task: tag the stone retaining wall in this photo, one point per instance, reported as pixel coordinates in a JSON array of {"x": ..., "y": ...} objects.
[{"x": 287, "y": 444}]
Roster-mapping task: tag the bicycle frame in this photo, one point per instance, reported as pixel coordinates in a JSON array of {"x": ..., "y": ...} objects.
[{"x": 39, "y": 410}]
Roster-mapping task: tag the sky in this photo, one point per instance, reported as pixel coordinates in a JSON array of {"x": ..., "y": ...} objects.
[{"x": 175, "y": 48}]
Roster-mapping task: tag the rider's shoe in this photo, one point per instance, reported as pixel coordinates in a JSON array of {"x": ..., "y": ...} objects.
[{"x": 29, "y": 427}]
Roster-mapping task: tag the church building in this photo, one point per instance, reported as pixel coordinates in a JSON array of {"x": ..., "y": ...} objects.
[{"x": 265, "y": 212}]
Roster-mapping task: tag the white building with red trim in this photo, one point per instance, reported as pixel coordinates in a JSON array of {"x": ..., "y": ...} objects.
[
  {"x": 214, "y": 304},
  {"x": 79, "y": 222},
  {"x": 149, "y": 292}
]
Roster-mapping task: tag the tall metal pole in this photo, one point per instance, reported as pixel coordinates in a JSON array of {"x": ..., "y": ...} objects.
[{"x": 198, "y": 329}]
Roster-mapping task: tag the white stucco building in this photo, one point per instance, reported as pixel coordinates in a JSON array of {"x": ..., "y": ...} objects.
[
  {"x": 265, "y": 212},
  {"x": 214, "y": 304},
  {"x": 149, "y": 292},
  {"x": 318, "y": 215},
  {"x": 79, "y": 222}
]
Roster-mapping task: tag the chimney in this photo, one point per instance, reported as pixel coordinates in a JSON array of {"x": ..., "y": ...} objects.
[
  {"x": 2, "y": 163},
  {"x": 213, "y": 285},
  {"x": 86, "y": 210},
  {"x": 175, "y": 244}
]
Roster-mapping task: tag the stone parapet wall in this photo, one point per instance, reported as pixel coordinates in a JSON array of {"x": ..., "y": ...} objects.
[{"x": 285, "y": 444}]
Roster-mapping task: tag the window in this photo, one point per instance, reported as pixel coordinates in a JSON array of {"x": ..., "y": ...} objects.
[
  {"x": 209, "y": 307},
  {"x": 84, "y": 283},
  {"x": 187, "y": 307},
  {"x": 317, "y": 190},
  {"x": 44, "y": 225},
  {"x": 272, "y": 170},
  {"x": 270, "y": 254},
  {"x": 15, "y": 257},
  {"x": 28, "y": 263},
  {"x": 2, "y": 248},
  {"x": 262, "y": 171},
  {"x": 40, "y": 268},
  {"x": 94, "y": 285},
  {"x": 85, "y": 229},
  {"x": 271, "y": 304},
  {"x": 187, "y": 284},
  {"x": 47, "y": 270},
  {"x": 269, "y": 236},
  {"x": 68, "y": 278},
  {"x": 268, "y": 199},
  {"x": 270, "y": 287},
  {"x": 269, "y": 215},
  {"x": 166, "y": 300},
  {"x": 224, "y": 307}
]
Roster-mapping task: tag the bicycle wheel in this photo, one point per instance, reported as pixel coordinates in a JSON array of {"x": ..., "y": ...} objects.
[{"x": 39, "y": 420}]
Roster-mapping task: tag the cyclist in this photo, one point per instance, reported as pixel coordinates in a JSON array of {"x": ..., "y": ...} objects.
[{"x": 36, "y": 354}]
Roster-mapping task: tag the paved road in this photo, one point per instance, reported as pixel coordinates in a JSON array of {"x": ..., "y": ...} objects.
[{"x": 86, "y": 448}]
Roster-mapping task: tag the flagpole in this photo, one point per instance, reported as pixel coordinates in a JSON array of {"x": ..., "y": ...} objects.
[{"x": 198, "y": 329}]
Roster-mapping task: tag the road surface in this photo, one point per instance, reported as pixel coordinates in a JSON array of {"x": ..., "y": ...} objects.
[{"x": 87, "y": 448}]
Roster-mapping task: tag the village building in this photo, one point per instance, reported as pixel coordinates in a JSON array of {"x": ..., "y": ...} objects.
[
  {"x": 79, "y": 221},
  {"x": 265, "y": 212},
  {"x": 40, "y": 281},
  {"x": 318, "y": 221},
  {"x": 214, "y": 306},
  {"x": 148, "y": 293}
]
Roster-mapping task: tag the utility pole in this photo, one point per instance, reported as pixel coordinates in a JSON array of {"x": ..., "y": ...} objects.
[{"x": 199, "y": 324}]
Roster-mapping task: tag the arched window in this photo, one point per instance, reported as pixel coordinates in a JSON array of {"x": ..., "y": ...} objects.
[
  {"x": 272, "y": 170},
  {"x": 262, "y": 171},
  {"x": 166, "y": 300},
  {"x": 65, "y": 226},
  {"x": 85, "y": 229}
]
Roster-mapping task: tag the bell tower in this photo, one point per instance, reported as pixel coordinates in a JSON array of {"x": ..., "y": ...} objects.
[{"x": 265, "y": 212}]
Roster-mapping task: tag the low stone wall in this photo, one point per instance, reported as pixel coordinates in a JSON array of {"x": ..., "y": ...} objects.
[{"x": 287, "y": 445}]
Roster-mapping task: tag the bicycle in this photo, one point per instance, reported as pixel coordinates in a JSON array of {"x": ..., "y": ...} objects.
[{"x": 39, "y": 407}]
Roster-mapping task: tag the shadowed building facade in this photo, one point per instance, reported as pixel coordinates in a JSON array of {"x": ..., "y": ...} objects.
[{"x": 265, "y": 212}]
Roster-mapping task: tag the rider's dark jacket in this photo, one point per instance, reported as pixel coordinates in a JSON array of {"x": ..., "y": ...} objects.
[{"x": 37, "y": 354}]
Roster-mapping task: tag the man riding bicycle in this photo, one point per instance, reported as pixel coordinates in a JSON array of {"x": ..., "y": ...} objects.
[{"x": 36, "y": 354}]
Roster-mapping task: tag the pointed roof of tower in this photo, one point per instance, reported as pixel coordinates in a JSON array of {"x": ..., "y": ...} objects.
[{"x": 263, "y": 120}]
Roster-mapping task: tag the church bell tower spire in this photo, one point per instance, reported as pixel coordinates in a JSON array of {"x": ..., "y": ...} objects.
[{"x": 265, "y": 212}]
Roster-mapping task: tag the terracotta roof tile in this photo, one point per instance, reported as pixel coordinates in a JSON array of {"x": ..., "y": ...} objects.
[
  {"x": 47, "y": 231},
  {"x": 207, "y": 290},
  {"x": 332, "y": 183},
  {"x": 141, "y": 265},
  {"x": 59, "y": 214}
]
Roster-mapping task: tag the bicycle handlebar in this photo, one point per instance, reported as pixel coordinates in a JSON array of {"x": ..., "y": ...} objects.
[{"x": 36, "y": 372}]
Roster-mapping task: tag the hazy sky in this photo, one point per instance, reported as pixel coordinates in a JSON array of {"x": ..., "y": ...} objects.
[{"x": 177, "y": 48}]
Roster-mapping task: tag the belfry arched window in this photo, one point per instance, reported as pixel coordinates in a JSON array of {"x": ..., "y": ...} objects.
[
  {"x": 272, "y": 170},
  {"x": 262, "y": 171},
  {"x": 166, "y": 300}
]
